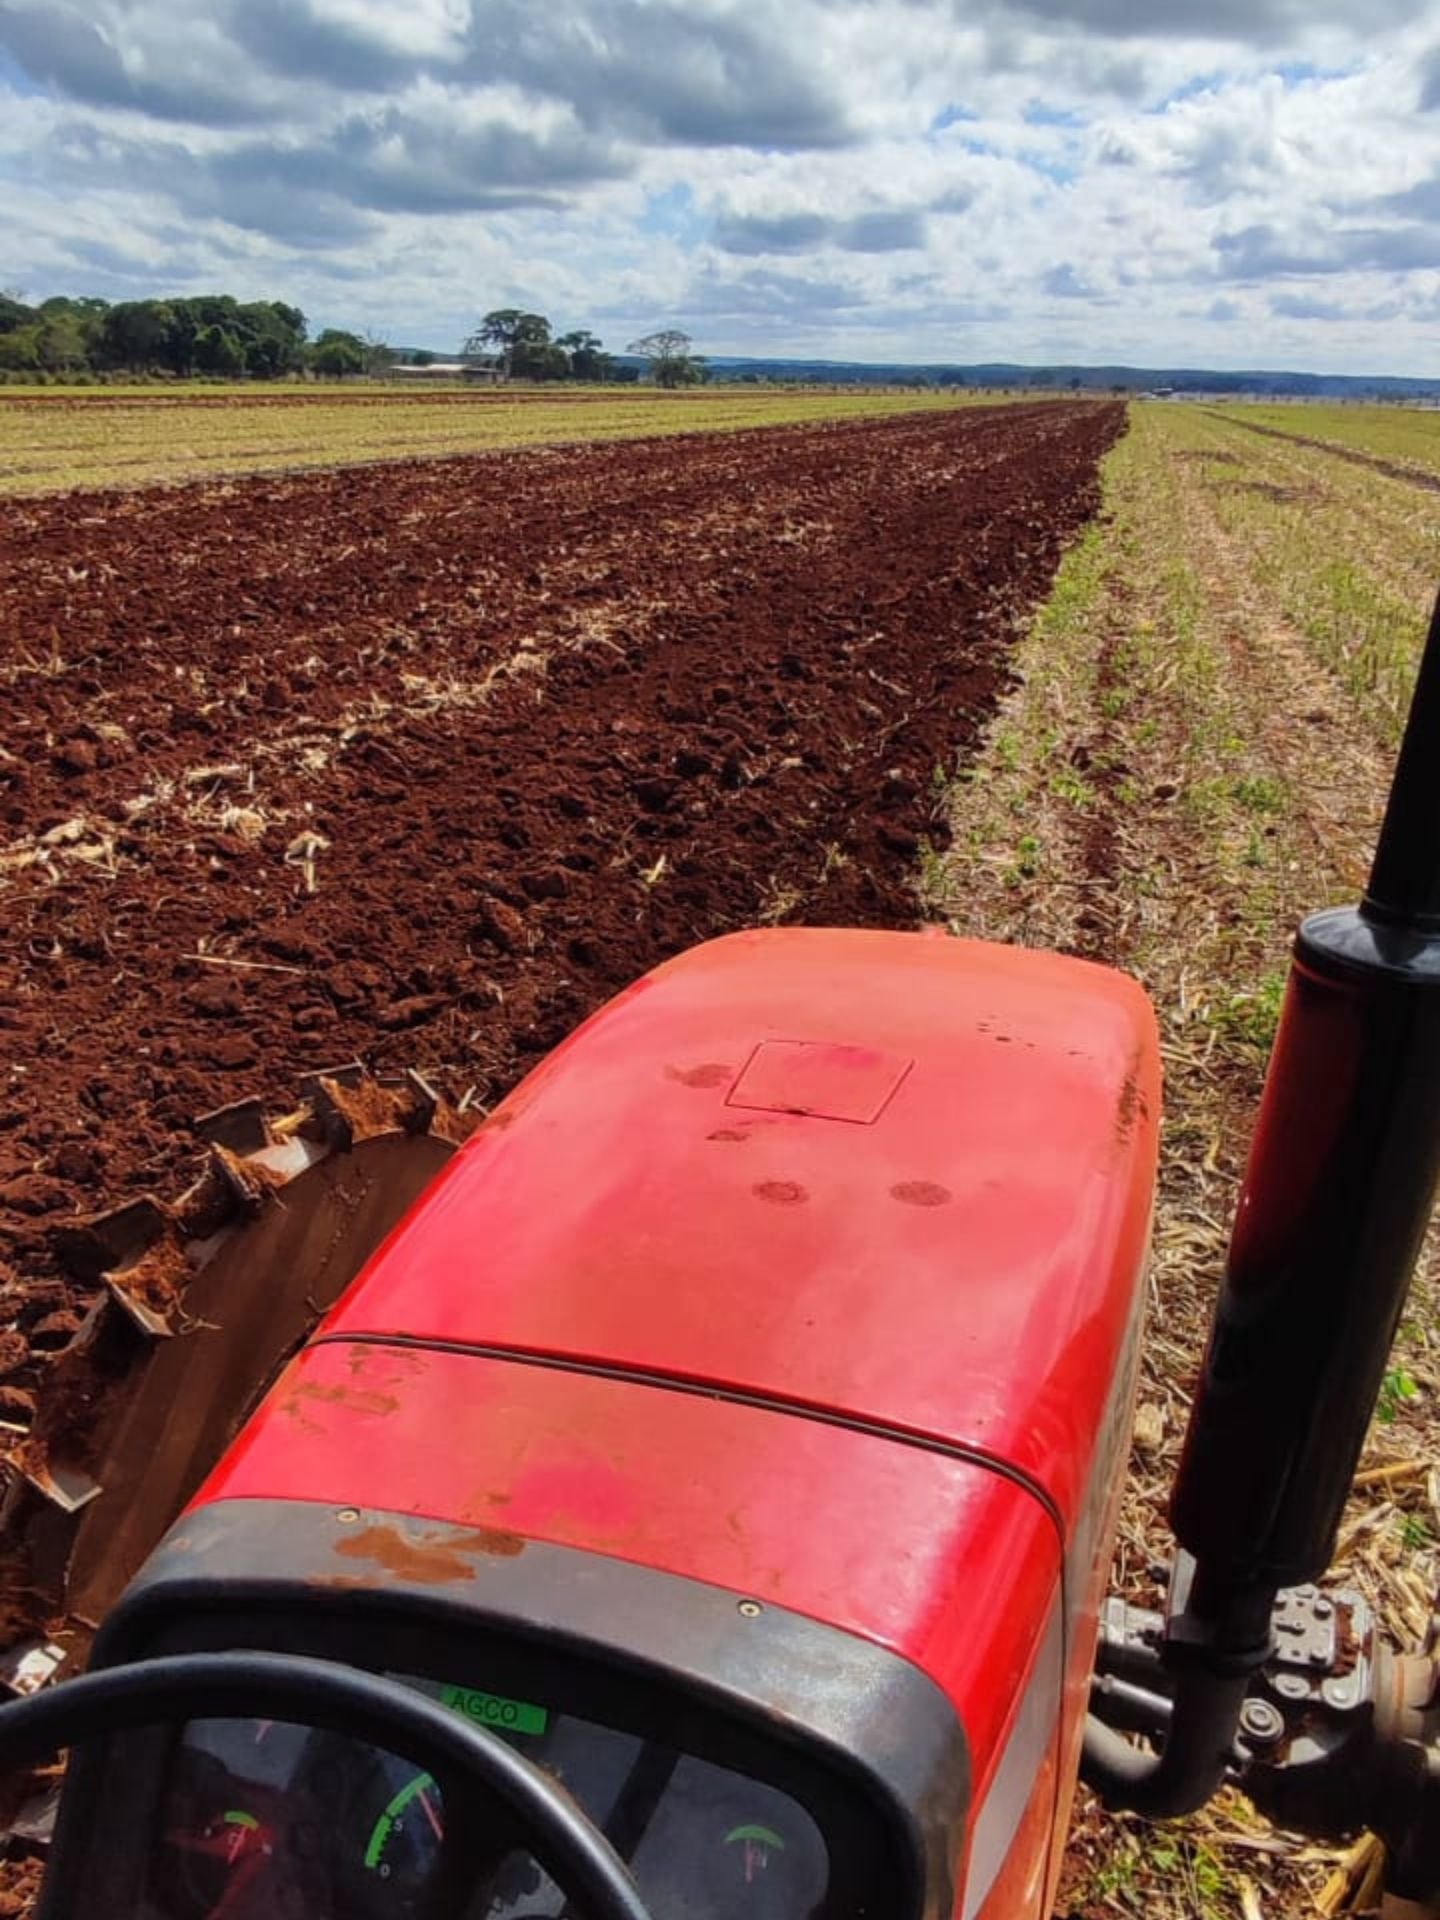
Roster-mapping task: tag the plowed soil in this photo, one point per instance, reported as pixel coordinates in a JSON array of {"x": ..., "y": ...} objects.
[{"x": 420, "y": 764}]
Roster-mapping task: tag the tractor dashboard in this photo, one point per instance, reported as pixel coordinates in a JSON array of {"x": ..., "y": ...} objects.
[
  {"x": 257, "y": 1819},
  {"x": 741, "y": 1761}
]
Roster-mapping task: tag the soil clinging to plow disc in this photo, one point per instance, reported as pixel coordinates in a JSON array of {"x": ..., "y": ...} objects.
[{"x": 419, "y": 764}]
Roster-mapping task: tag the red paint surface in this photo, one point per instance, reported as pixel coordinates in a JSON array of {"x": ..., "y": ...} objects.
[
  {"x": 962, "y": 1267},
  {"x": 605, "y": 1222},
  {"x": 863, "y": 1533}
]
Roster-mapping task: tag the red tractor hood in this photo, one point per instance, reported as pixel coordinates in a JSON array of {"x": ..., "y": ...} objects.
[
  {"x": 808, "y": 1269},
  {"x": 902, "y": 1179}
]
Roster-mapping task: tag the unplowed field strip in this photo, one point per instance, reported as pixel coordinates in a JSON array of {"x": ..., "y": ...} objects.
[
  {"x": 1392, "y": 469},
  {"x": 419, "y": 765},
  {"x": 365, "y": 396},
  {"x": 59, "y": 441}
]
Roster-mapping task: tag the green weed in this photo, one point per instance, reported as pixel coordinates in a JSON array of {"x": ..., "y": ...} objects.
[
  {"x": 1260, "y": 794},
  {"x": 932, "y": 871},
  {"x": 1398, "y": 1386},
  {"x": 1026, "y": 863},
  {"x": 1250, "y": 1019},
  {"x": 1069, "y": 787}
]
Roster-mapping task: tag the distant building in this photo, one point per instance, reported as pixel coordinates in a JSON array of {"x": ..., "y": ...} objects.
[{"x": 484, "y": 369}]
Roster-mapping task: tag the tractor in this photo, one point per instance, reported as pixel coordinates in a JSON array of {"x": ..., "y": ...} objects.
[{"x": 701, "y": 1505}]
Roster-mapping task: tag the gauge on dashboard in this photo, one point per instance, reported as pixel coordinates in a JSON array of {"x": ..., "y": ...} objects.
[
  {"x": 265, "y": 1821},
  {"x": 262, "y": 1820}
]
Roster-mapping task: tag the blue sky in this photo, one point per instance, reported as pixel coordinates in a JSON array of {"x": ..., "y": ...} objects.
[{"x": 1212, "y": 182}]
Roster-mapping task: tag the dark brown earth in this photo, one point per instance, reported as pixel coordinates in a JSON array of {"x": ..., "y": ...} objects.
[{"x": 420, "y": 764}]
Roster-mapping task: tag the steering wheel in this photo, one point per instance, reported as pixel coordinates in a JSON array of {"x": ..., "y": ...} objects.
[{"x": 339, "y": 1699}]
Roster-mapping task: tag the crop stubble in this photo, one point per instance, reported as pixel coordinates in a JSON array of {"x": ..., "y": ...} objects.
[
  {"x": 446, "y": 754},
  {"x": 52, "y": 441}
]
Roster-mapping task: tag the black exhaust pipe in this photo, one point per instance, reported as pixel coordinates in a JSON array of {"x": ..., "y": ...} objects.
[{"x": 1332, "y": 1213}]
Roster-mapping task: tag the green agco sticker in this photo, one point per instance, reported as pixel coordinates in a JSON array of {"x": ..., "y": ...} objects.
[{"x": 494, "y": 1710}]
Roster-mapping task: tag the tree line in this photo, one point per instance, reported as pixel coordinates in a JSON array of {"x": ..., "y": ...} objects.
[
  {"x": 219, "y": 337},
  {"x": 528, "y": 349},
  {"x": 206, "y": 334}
]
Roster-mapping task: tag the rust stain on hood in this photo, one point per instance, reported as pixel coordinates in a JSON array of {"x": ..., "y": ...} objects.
[{"x": 432, "y": 1559}]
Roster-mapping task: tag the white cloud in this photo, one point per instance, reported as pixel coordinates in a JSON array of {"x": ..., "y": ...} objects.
[
  {"x": 1231, "y": 181},
  {"x": 427, "y": 30}
]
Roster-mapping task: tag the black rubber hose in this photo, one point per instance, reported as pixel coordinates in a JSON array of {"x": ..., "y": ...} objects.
[
  {"x": 342, "y": 1700},
  {"x": 1129, "y": 1707},
  {"x": 1193, "y": 1762}
]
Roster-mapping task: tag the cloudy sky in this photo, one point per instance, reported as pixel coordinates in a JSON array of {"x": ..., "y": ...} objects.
[{"x": 1215, "y": 182}]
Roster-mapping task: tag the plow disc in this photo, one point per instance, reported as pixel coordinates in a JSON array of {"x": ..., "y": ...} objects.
[{"x": 198, "y": 1304}]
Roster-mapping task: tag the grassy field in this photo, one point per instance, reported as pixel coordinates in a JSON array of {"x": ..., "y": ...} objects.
[
  {"x": 1407, "y": 435},
  {"x": 1198, "y": 755},
  {"x": 1347, "y": 555},
  {"x": 51, "y": 439}
]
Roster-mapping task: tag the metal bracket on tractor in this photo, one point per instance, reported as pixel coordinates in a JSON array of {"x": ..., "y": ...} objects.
[{"x": 1337, "y": 1731}]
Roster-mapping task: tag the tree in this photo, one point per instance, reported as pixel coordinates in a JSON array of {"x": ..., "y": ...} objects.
[
  {"x": 540, "y": 360},
  {"x": 337, "y": 353},
  {"x": 206, "y": 315},
  {"x": 69, "y": 332},
  {"x": 185, "y": 326},
  {"x": 288, "y": 317},
  {"x": 671, "y": 363},
  {"x": 265, "y": 357},
  {"x": 587, "y": 362},
  {"x": 20, "y": 350},
  {"x": 273, "y": 337},
  {"x": 137, "y": 333},
  {"x": 217, "y": 350},
  {"x": 509, "y": 329},
  {"x": 379, "y": 358},
  {"x": 14, "y": 312},
  {"x": 62, "y": 344}
]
